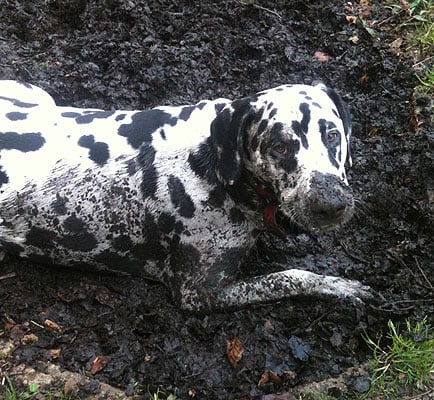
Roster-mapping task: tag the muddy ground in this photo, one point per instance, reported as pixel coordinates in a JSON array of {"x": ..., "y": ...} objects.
[{"x": 136, "y": 54}]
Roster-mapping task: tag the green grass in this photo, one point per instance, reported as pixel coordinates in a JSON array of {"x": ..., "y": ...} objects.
[
  {"x": 10, "y": 393},
  {"x": 417, "y": 26},
  {"x": 406, "y": 364}
]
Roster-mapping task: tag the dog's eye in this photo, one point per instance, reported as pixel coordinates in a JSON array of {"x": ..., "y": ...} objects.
[
  {"x": 279, "y": 148},
  {"x": 331, "y": 136}
]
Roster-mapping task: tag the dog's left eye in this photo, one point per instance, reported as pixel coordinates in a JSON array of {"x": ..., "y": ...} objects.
[
  {"x": 279, "y": 148},
  {"x": 331, "y": 136}
]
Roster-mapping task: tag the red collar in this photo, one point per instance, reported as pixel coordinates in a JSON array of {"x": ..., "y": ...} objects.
[{"x": 270, "y": 209}]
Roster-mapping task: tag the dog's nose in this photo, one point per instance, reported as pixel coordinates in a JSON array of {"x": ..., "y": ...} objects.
[
  {"x": 330, "y": 209},
  {"x": 328, "y": 199}
]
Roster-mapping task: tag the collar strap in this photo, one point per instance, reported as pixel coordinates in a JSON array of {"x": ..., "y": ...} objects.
[{"x": 270, "y": 209}]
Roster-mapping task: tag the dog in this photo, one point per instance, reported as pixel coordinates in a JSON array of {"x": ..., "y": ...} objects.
[{"x": 178, "y": 194}]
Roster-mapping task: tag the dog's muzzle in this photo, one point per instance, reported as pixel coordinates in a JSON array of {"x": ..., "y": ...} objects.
[{"x": 321, "y": 205}]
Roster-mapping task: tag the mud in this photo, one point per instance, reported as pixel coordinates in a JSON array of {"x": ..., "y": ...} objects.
[{"x": 133, "y": 54}]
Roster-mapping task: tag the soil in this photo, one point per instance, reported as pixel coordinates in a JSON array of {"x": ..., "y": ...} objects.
[{"x": 135, "y": 54}]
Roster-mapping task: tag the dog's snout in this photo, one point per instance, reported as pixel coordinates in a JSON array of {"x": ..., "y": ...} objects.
[
  {"x": 330, "y": 202},
  {"x": 329, "y": 208}
]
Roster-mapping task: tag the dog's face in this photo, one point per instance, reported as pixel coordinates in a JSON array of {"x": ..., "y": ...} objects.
[{"x": 294, "y": 140}]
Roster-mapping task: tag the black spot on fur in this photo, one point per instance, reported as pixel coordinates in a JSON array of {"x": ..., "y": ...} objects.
[
  {"x": 166, "y": 222},
  {"x": 3, "y": 177},
  {"x": 145, "y": 162},
  {"x": 16, "y": 116},
  {"x": 301, "y": 128},
  {"x": 302, "y": 92},
  {"x": 41, "y": 238},
  {"x": 201, "y": 105},
  {"x": 73, "y": 224},
  {"x": 120, "y": 117},
  {"x": 262, "y": 126},
  {"x": 308, "y": 98},
  {"x": 118, "y": 262},
  {"x": 186, "y": 112},
  {"x": 18, "y": 103},
  {"x": 179, "y": 197},
  {"x": 163, "y": 134},
  {"x": 83, "y": 241},
  {"x": 236, "y": 215},
  {"x": 153, "y": 248},
  {"x": 219, "y": 106},
  {"x": 122, "y": 243},
  {"x": 70, "y": 114},
  {"x": 217, "y": 197},
  {"x": 204, "y": 162},
  {"x": 143, "y": 124},
  {"x": 272, "y": 113},
  {"x": 258, "y": 115},
  {"x": 59, "y": 205},
  {"x": 24, "y": 142},
  {"x": 131, "y": 167},
  {"x": 88, "y": 116},
  {"x": 315, "y": 104},
  {"x": 98, "y": 151}
]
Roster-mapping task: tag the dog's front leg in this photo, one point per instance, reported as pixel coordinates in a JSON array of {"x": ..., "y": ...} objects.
[{"x": 274, "y": 287}]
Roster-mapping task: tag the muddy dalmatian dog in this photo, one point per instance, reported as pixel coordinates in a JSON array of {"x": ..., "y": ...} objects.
[{"x": 177, "y": 193}]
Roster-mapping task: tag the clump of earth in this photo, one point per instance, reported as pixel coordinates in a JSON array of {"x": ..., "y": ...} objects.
[{"x": 126, "y": 331}]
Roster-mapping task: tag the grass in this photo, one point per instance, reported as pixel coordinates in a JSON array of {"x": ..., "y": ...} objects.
[
  {"x": 418, "y": 22},
  {"x": 407, "y": 363}
]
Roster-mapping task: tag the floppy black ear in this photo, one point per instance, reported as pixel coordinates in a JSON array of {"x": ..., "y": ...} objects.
[
  {"x": 345, "y": 115},
  {"x": 228, "y": 135}
]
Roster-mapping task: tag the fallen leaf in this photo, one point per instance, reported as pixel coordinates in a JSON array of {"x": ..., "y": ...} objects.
[
  {"x": 52, "y": 326},
  {"x": 321, "y": 57},
  {"x": 98, "y": 364},
  {"x": 55, "y": 353},
  {"x": 414, "y": 123},
  {"x": 364, "y": 78},
  {"x": 354, "y": 39},
  {"x": 70, "y": 385},
  {"x": 234, "y": 351},
  {"x": 373, "y": 131},
  {"x": 29, "y": 339},
  {"x": 269, "y": 376},
  {"x": 351, "y": 19}
]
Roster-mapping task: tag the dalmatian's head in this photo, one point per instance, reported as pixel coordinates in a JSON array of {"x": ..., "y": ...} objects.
[{"x": 292, "y": 141}]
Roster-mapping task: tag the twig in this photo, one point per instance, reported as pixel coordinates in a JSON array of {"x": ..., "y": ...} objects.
[
  {"x": 8, "y": 276},
  {"x": 423, "y": 273},
  {"x": 261, "y": 8}
]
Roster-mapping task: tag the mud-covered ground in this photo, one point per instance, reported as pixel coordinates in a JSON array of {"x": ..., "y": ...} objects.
[{"x": 138, "y": 54}]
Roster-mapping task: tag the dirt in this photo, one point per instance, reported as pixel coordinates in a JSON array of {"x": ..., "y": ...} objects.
[{"x": 134, "y": 54}]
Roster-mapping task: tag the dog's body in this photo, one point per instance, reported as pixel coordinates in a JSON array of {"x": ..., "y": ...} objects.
[{"x": 177, "y": 192}]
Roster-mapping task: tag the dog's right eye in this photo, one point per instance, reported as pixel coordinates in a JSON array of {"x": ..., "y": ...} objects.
[{"x": 279, "y": 148}]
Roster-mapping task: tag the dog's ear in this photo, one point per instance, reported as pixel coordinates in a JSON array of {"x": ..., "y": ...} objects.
[
  {"x": 228, "y": 136},
  {"x": 344, "y": 114}
]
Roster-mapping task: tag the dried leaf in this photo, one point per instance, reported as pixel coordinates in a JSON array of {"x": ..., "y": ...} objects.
[
  {"x": 234, "y": 351},
  {"x": 55, "y": 353},
  {"x": 29, "y": 339},
  {"x": 52, "y": 326},
  {"x": 98, "y": 364},
  {"x": 269, "y": 376},
  {"x": 364, "y": 78},
  {"x": 70, "y": 385},
  {"x": 321, "y": 57},
  {"x": 373, "y": 131},
  {"x": 351, "y": 19},
  {"x": 414, "y": 123},
  {"x": 354, "y": 39}
]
